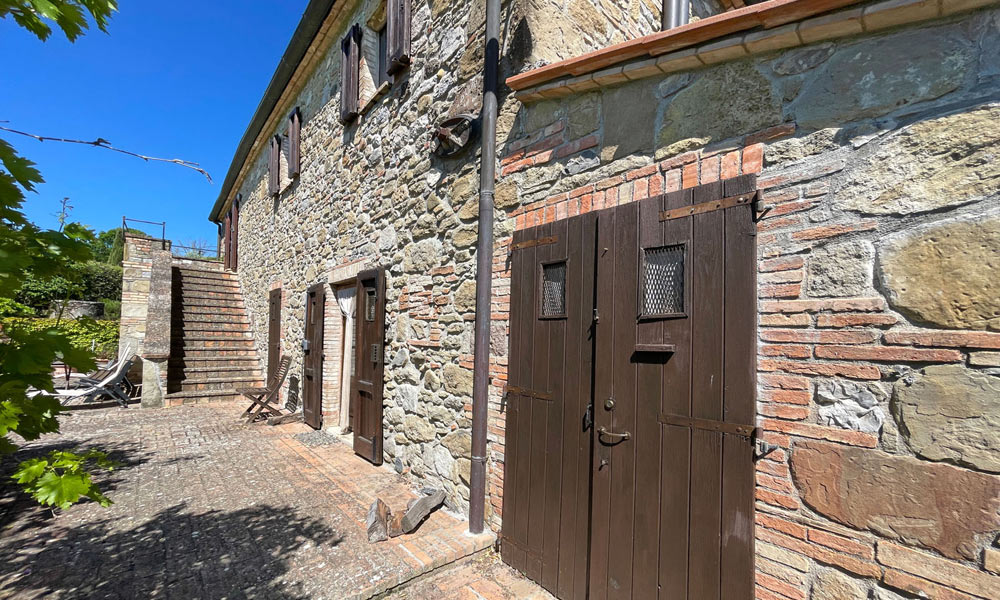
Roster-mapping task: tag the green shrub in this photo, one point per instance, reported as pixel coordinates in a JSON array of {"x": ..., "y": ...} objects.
[
  {"x": 11, "y": 308},
  {"x": 83, "y": 334},
  {"x": 100, "y": 281},
  {"x": 112, "y": 309},
  {"x": 91, "y": 281}
]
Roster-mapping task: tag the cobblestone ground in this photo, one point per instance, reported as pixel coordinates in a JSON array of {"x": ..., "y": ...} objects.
[{"x": 208, "y": 508}]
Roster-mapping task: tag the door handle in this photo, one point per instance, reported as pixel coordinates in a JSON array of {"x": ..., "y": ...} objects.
[{"x": 625, "y": 435}]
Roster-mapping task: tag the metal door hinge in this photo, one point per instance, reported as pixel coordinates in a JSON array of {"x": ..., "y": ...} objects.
[{"x": 760, "y": 447}]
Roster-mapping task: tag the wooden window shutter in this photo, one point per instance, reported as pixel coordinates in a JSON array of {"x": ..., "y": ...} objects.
[
  {"x": 235, "y": 240},
  {"x": 398, "y": 32},
  {"x": 294, "y": 142},
  {"x": 273, "y": 165},
  {"x": 350, "y": 52},
  {"x": 226, "y": 231}
]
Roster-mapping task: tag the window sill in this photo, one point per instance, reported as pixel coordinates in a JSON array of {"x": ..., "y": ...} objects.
[{"x": 382, "y": 90}]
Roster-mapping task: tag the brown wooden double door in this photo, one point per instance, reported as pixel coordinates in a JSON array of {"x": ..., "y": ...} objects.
[{"x": 629, "y": 460}]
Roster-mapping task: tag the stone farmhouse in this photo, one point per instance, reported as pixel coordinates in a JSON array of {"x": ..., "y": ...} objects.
[{"x": 743, "y": 337}]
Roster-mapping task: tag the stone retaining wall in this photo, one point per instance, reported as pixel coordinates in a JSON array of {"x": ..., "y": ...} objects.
[{"x": 879, "y": 256}]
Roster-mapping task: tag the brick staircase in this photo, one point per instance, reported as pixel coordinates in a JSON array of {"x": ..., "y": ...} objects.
[{"x": 212, "y": 352}]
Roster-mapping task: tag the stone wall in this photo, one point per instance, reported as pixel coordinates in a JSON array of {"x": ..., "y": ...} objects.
[
  {"x": 879, "y": 257},
  {"x": 373, "y": 194}
]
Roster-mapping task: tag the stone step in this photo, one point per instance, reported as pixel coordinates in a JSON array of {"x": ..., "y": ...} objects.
[
  {"x": 204, "y": 286},
  {"x": 211, "y": 321},
  {"x": 200, "y": 272},
  {"x": 199, "y": 309},
  {"x": 221, "y": 343},
  {"x": 210, "y": 317},
  {"x": 194, "y": 397},
  {"x": 213, "y": 317},
  {"x": 212, "y": 362},
  {"x": 199, "y": 301},
  {"x": 218, "y": 383},
  {"x": 212, "y": 351},
  {"x": 200, "y": 330},
  {"x": 213, "y": 337},
  {"x": 234, "y": 340},
  {"x": 201, "y": 290},
  {"x": 178, "y": 373}
]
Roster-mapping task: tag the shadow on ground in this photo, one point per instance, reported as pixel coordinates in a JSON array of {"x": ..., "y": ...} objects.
[
  {"x": 18, "y": 511},
  {"x": 175, "y": 554}
]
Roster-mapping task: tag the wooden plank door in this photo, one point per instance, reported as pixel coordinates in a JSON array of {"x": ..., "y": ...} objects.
[
  {"x": 273, "y": 332},
  {"x": 674, "y": 400},
  {"x": 367, "y": 383},
  {"x": 312, "y": 371},
  {"x": 546, "y": 509}
]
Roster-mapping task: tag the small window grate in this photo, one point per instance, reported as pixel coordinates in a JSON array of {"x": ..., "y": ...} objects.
[
  {"x": 554, "y": 290},
  {"x": 370, "y": 299},
  {"x": 663, "y": 280}
]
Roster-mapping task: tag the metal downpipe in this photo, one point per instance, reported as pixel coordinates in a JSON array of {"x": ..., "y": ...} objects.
[
  {"x": 675, "y": 13},
  {"x": 484, "y": 271}
]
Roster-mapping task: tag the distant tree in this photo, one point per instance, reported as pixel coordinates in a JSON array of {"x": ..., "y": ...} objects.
[
  {"x": 116, "y": 254},
  {"x": 103, "y": 242}
]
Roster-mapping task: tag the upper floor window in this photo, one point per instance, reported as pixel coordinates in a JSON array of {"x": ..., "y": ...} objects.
[
  {"x": 372, "y": 56},
  {"x": 285, "y": 157}
]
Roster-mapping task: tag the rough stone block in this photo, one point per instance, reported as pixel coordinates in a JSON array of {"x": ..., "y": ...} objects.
[
  {"x": 984, "y": 359},
  {"x": 377, "y": 521},
  {"x": 945, "y": 274},
  {"x": 841, "y": 270},
  {"x": 951, "y": 413},
  {"x": 873, "y": 77},
  {"x": 703, "y": 110},
  {"x": 936, "y": 163},
  {"x": 936, "y": 569},
  {"x": 898, "y": 497}
]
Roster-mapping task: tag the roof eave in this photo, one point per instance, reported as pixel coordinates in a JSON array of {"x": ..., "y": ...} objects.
[{"x": 309, "y": 26}]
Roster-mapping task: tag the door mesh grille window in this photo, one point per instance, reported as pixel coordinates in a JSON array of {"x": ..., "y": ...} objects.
[
  {"x": 554, "y": 290},
  {"x": 663, "y": 280}
]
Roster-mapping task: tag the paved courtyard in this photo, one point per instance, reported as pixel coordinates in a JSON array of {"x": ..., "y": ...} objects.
[{"x": 208, "y": 508}]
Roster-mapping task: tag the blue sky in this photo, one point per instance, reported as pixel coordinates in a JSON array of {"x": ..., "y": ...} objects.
[{"x": 177, "y": 79}]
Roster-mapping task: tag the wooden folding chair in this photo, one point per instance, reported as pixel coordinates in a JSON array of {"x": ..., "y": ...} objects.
[{"x": 265, "y": 398}]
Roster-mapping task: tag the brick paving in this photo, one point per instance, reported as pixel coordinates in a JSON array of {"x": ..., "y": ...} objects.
[{"x": 208, "y": 508}]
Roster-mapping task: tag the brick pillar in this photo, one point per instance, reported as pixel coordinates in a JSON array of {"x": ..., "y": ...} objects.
[{"x": 145, "y": 320}]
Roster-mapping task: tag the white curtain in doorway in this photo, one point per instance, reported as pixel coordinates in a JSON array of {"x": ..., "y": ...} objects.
[{"x": 345, "y": 299}]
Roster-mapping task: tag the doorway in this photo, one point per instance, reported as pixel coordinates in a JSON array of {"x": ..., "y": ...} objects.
[
  {"x": 630, "y": 405},
  {"x": 367, "y": 382},
  {"x": 312, "y": 368},
  {"x": 273, "y": 333}
]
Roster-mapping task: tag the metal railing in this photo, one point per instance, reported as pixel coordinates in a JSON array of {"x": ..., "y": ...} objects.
[
  {"x": 178, "y": 250},
  {"x": 195, "y": 252},
  {"x": 162, "y": 224}
]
